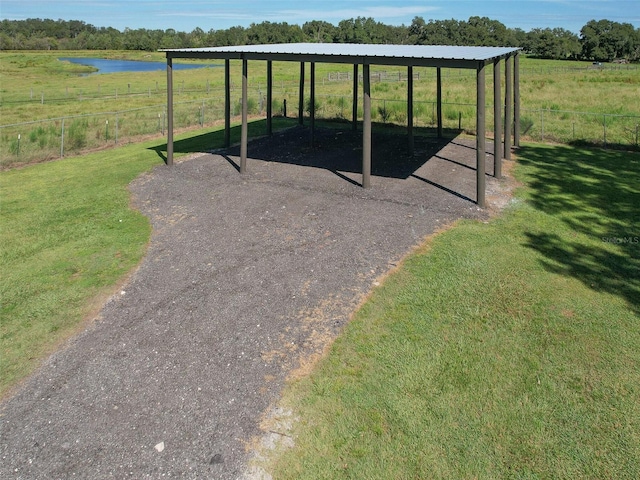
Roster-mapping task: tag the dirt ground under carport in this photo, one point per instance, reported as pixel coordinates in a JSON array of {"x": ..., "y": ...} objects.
[{"x": 246, "y": 279}]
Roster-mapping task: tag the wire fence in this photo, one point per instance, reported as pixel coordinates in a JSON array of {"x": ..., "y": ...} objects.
[
  {"x": 70, "y": 94},
  {"x": 69, "y": 135},
  {"x": 546, "y": 125}
]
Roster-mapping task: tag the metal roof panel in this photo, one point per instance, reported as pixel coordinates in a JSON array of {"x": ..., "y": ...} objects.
[{"x": 373, "y": 51}]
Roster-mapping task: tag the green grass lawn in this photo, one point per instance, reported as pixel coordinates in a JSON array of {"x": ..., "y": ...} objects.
[
  {"x": 68, "y": 235},
  {"x": 507, "y": 349}
]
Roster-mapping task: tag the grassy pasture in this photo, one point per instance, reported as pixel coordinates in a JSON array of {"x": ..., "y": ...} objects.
[{"x": 36, "y": 86}]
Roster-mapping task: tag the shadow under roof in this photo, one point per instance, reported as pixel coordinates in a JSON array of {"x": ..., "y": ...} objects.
[{"x": 407, "y": 55}]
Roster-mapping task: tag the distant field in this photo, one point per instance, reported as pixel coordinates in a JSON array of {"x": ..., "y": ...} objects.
[{"x": 127, "y": 107}]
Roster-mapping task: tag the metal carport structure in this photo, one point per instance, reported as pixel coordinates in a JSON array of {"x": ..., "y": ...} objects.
[{"x": 435, "y": 56}]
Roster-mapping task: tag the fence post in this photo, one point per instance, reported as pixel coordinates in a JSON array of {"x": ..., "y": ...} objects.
[
  {"x": 42, "y": 98},
  {"x": 18, "y": 149},
  {"x": 62, "y": 140},
  {"x": 284, "y": 108},
  {"x": 604, "y": 127}
]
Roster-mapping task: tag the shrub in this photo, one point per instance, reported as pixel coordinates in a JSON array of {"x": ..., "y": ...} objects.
[
  {"x": 252, "y": 107},
  {"x": 307, "y": 106},
  {"x": 77, "y": 134},
  {"x": 525, "y": 124},
  {"x": 385, "y": 113}
]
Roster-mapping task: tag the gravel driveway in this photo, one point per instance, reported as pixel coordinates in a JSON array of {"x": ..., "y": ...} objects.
[{"x": 246, "y": 277}]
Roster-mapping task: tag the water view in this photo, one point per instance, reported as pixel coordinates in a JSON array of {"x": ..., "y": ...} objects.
[{"x": 104, "y": 65}]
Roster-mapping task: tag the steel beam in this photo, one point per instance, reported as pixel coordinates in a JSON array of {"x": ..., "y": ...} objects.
[
  {"x": 269, "y": 97},
  {"x": 354, "y": 117},
  {"x": 410, "y": 109},
  {"x": 497, "y": 121},
  {"x": 301, "y": 96},
  {"x": 366, "y": 127},
  {"x": 227, "y": 103},
  {"x": 439, "y": 100},
  {"x": 320, "y": 58},
  {"x": 245, "y": 130},
  {"x": 169, "y": 111},
  {"x": 516, "y": 99},
  {"x": 312, "y": 106},
  {"x": 480, "y": 135},
  {"x": 508, "y": 99}
]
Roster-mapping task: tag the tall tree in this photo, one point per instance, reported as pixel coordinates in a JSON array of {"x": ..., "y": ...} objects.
[
  {"x": 556, "y": 43},
  {"x": 318, "y": 31},
  {"x": 604, "y": 40}
]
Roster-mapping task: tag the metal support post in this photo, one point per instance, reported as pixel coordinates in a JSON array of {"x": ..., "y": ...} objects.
[
  {"x": 497, "y": 121},
  {"x": 516, "y": 100},
  {"x": 508, "y": 102},
  {"x": 312, "y": 103},
  {"x": 244, "y": 131},
  {"x": 269, "y": 97},
  {"x": 439, "y": 100},
  {"x": 480, "y": 135},
  {"x": 354, "y": 117},
  {"x": 169, "y": 111},
  {"x": 301, "y": 96},
  {"x": 366, "y": 127},
  {"x": 227, "y": 104},
  {"x": 410, "y": 109}
]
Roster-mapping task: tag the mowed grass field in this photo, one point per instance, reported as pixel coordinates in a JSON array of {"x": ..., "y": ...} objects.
[{"x": 502, "y": 349}]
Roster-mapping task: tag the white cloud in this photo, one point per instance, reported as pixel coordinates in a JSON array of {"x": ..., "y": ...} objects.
[
  {"x": 378, "y": 13},
  {"x": 301, "y": 15}
]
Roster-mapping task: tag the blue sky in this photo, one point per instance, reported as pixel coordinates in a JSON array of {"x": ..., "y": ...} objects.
[{"x": 222, "y": 14}]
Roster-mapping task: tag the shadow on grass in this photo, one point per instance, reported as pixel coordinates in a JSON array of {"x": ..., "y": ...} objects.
[
  {"x": 595, "y": 193},
  {"x": 613, "y": 146}
]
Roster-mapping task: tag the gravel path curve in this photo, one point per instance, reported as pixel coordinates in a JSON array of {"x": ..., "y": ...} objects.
[{"x": 246, "y": 276}]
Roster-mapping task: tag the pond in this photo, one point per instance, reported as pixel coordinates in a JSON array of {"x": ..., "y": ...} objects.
[{"x": 104, "y": 65}]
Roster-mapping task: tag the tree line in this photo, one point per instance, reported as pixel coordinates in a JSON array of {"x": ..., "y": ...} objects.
[{"x": 599, "y": 40}]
